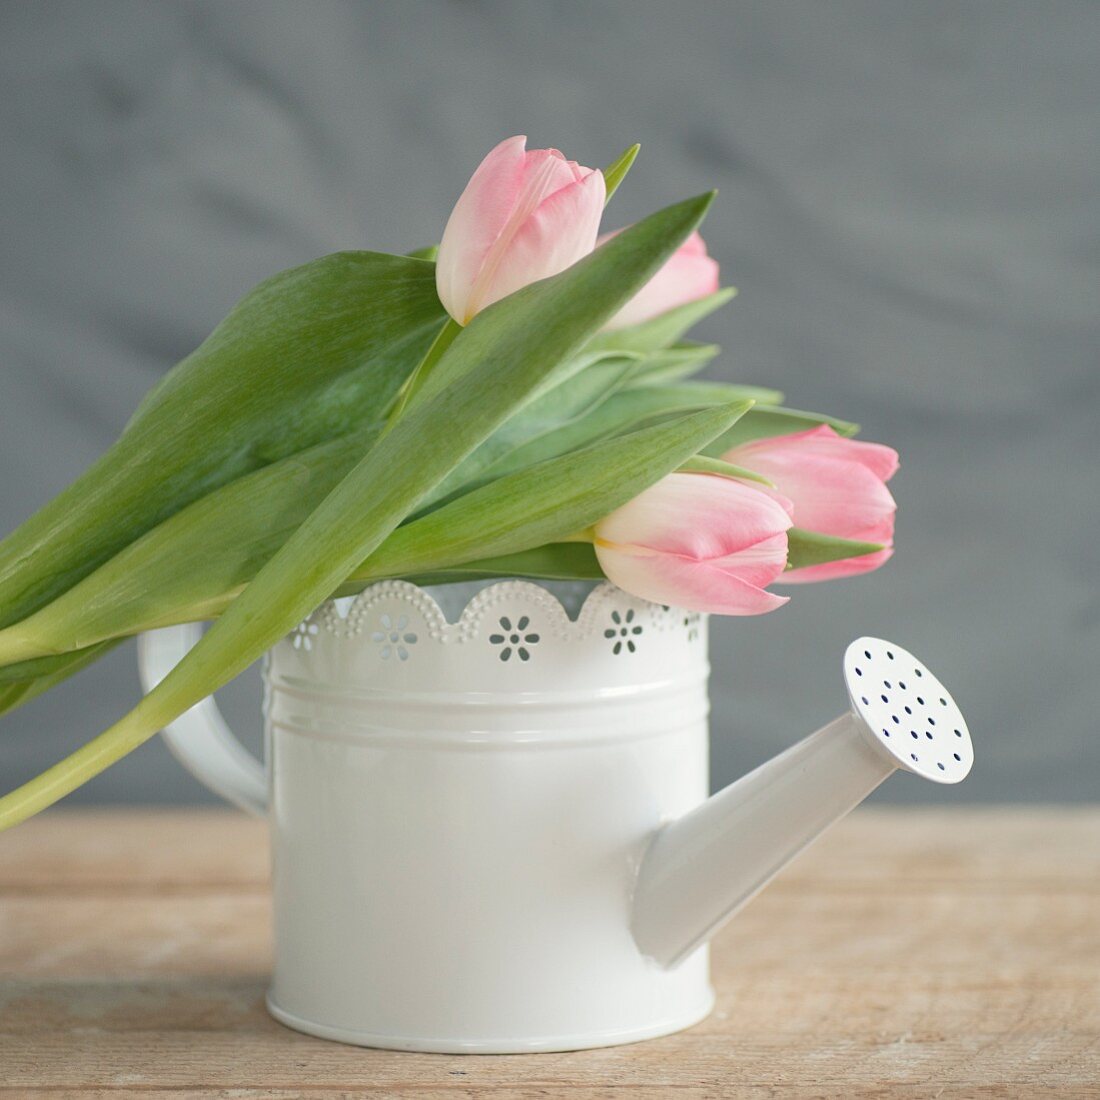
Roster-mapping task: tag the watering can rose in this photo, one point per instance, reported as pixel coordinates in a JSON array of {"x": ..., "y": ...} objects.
[
  {"x": 525, "y": 215},
  {"x": 690, "y": 274},
  {"x": 698, "y": 541},
  {"x": 837, "y": 487}
]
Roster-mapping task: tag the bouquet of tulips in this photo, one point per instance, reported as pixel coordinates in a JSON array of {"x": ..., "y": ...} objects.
[{"x": 516, "y": 402}]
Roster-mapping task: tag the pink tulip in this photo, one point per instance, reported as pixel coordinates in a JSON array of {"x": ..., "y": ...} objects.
[
  {"x": 523, "y": 216},
  {"x": 689, "y": 274},
  {"x": 698, "y": 541},
  {"x": 837, "y": 487}
]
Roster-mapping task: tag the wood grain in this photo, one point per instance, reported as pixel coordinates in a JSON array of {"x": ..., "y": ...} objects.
[{"x": 911, "y": 953}]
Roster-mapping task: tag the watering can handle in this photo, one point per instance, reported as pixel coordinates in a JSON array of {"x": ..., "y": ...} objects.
[{"x": 200, "y": 739}]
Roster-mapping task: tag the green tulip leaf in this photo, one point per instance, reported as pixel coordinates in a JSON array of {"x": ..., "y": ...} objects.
[
  {"x": 186, "y": 568},
  {"x": 193, "y": 565},
  {"x": 664, "y": 329},
  {"x": 806, "y": 548},
  {"x": 616, "y": 172},
  {"x": 179, "y": 571},
  {"x": 557, "y": 561},
  {"x": 591, "y": 381},
  {"x": 311, "y": 353},
  {"x": 32, "y": 678},
  {"x": 636, "y": 406},
  {"x": 672, "y": 364},
  {"x": 507, "y": 352},
  {"x": 547, "y": 502},
  {"x": 700, "y": 464},
  {"x": 770, "y": 420}
]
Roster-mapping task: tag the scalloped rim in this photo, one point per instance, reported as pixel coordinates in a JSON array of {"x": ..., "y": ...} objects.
[{"x": 603, "y": 599}]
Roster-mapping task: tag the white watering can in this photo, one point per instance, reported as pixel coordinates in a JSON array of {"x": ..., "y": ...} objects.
[{"x": 493, "y": 835}]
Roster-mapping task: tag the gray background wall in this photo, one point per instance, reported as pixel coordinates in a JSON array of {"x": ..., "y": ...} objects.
[{"x": 909, "y": 203}]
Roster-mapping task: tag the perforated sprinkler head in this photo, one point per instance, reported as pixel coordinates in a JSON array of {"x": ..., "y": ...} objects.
[{"x": 907, "y": 711}]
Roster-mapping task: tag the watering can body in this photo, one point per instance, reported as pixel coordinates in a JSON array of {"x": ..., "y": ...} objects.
[{"x": 490, "y": 828}]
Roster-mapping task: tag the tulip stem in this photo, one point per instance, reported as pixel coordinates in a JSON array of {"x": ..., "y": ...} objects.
[
  {"x": 88, "y": 761},
  {"x": 443, "y": 340},
  {"x": 17, "y": 645}
]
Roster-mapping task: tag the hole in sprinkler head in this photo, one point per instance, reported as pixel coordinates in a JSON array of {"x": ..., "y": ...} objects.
[
  {"x": 863, "y": 698},
  {"x": 917, "y": 672},
  {"x": 920, "y": 700},
  {"x": 890, "y": 654},
  {"x": 885, "y": 733},
  {"x": 887, "y": 684},
  {"x": 957, "y": 756},
  {"x": 928, "y": 734},
  {"x": 884, "y": 699},
  {"x": 867, "y": 654},
  {"x": 914, "y": 733},
  {"x": 859, "y": 672},
  {"x": 897, "y": 720},
  {"x": 931, "y": 721},
  {"x": 901, "y": 684},
  {"x": 958, "y": 733},
  {"x": 941, "y": 767},
  {"x": 913, "y": 755},
  {"x": 943, "y": 702},
  {"x": 908, "y": 710}
]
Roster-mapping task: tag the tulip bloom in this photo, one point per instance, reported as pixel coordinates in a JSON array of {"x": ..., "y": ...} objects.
[
  {"x": 837, "y": 487},
  {"x": 698, "y": 541},
  {"x": 689, "y": 274},
  {"x": 523, "y": 216}
]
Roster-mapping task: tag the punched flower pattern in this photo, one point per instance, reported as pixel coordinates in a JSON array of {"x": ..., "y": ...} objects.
[
  {"x": 303, "y": 635},
  {"x": 394, "y": 637},
  {"x": 516, "y": 639},
  {"x": 624, "y": 631}
]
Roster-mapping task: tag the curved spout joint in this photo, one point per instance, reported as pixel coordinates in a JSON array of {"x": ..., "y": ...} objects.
[{"x": 698, "y": 871}]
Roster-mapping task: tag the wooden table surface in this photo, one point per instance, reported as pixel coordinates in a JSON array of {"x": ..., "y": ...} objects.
[{"x": 911, "y": 953}]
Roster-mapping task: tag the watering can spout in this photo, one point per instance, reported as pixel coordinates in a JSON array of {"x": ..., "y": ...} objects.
[{"x": 699, "y": 870}]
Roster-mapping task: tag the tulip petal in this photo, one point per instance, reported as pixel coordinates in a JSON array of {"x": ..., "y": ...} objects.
[
  {"x": 881, "y": 460},
  {"x": 510, "y": 227},
  {"x": 477, "y": 220},
  {"x": 838, "y": 498},
  {"x": 555, "y": 235},
  {"x": 758, "y": 565},
  {"x": 688, "y": 275},
  {"x": 678, "y": 582},
  {"x": 821, "y": 441},
  {"x": 834, "y": 483},
  {"x": 700, "y": 542},
  {"x": 696, "y": 516}
]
